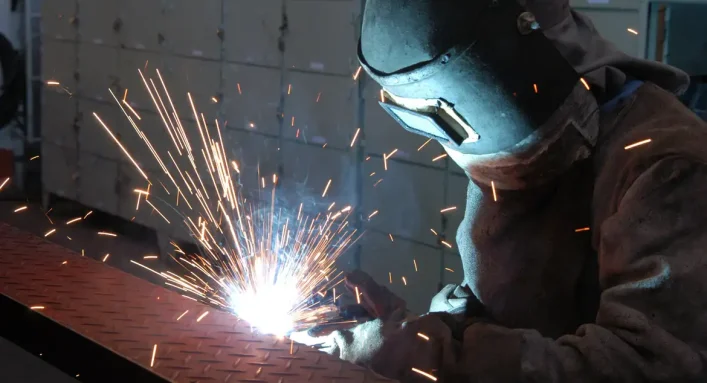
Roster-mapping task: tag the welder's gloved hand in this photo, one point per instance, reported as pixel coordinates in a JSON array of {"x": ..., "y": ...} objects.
[
  {"x": 457, "y": 300},
  {"x": 393, "y": 347},
  {"x": 376, "y": 299}
]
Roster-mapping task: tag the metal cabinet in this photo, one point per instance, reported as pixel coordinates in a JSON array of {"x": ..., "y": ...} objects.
[
  {"x": 98, "y": 180},
  {"x": 100, "y": 21},
  {"x": 59, "y": 19},
  {"x": 59, "y": 118}
]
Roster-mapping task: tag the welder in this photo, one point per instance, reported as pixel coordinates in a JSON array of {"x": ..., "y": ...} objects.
[{"x": 585, "y": 235}]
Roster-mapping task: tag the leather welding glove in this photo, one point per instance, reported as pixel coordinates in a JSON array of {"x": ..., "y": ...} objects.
[
  {"x": 457, "y": 300},
  {"x": 393, "y": 347}
]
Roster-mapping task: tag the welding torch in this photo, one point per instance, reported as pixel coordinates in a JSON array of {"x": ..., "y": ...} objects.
[{"x": 366, "y": 300}]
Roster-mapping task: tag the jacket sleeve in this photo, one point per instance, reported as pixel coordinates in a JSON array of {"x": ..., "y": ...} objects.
[{"x": 652, "y": 321}]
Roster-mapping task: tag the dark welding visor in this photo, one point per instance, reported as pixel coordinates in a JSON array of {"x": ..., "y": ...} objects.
[{"x": 432, "y": 118}]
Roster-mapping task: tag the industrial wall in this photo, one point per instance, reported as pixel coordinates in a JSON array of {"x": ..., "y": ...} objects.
[{"x": 283, "y": 74}]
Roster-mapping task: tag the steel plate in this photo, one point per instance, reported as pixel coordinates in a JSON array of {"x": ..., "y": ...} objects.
[{"x": 100, "y": 319}]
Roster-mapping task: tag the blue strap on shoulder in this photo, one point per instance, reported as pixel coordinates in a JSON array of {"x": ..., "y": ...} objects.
[{"x": 627, "y": 91}]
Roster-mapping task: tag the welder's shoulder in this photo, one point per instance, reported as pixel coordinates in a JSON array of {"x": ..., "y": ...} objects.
[{"x": 655, "y": 130}]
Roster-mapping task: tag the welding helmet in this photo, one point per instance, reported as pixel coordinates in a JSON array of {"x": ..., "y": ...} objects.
[{"x": 476, "y": 75}]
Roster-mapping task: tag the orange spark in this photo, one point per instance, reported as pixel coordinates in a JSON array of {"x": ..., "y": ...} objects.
[
  {"x": 107, "y": 234},
  {"x": 639, "y": 143},
  {"x": 391, "y": 237},
  {"x": 584, "y": 82},
  {"x": 433, "y": 231},
  {"x": 451, "y": 208},
  {"x": 358, "y": 295},
  {"x": 202, "y": 316},
  {"x": 414, "y": 262},
  {"x": 50, "y": 232},
  {"x": 34, "y": 158},
  {"x": 326, "y": 189},
  {"x": 423, "y": 336},
  {"x": 493, "y": 189},
  {"x": 405, "y": 282},
  {"x": 535, "y": 87},
  {"x": 4, "y": 182},
  {"x": 445, "y": 243},
  {"x": 52, "y": 82},
  {"x": 372, "y": 215},
  {"x": 37, "y": 308},
  {"x": 353, "y": 141},
  {"x": 582, "y": 229},
  {"x": 631, "y": 30},
  {"x": 69, "y": 222},
  {"x": 130, "y": 108},
  {"x": 426, "y": 375},
  {"x": 439, "y": 157},
  {"x": 423, "y": 145},
  {"x": 19, "y": 209},
  {"x": 125, "y": 151},
  {"x": 183, "y": 314},
  {"x": 154, "y": 352},
  {"x": 239, "y": 88},
  {"x": 448, "y": 269},
  {"x": 358, "y": 72},
  {"x": 106, "y": 257},
  {"x": 87, "y": 214}
]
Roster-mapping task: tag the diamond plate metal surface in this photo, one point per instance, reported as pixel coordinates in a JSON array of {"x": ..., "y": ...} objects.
[{"x": 129, "y": 316}]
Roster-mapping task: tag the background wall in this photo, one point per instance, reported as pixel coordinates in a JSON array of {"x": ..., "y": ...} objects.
[{"x": 282, "y": 73}]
